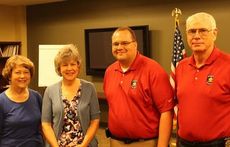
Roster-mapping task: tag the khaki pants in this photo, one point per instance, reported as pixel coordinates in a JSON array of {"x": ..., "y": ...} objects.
[{"x": 147, "y": 143}]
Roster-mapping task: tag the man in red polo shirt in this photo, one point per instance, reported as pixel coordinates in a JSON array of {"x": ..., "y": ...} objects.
[
  {"x": 203, "y": 87},
  {"x": 139, "y": 96}
]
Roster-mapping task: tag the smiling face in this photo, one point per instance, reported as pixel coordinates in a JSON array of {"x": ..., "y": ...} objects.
[
  {"x": 201, "y": 32},
  {"x": 20, "y": 77},
  {"x": 69, "y": 58},
  {"x": 18, "y": 71},
  {"x": 69, "y": 69},
  {"x": 124, "y": 47}
]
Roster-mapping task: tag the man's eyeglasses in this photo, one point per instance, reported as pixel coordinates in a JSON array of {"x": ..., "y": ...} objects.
[
  {"x": 201, "y": 32},
  {"x": 123, "y": 43}
]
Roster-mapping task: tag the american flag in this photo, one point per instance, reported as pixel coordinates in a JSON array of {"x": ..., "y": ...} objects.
[{"x": 178, "y": 53}]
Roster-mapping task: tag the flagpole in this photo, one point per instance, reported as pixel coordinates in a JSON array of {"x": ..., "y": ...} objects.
[{"x": 178, "y": 54}]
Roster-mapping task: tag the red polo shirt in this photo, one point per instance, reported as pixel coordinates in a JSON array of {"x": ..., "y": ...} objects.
[
  {"x": 137, "y": 98},
  {"x": 204, "y": 98}
]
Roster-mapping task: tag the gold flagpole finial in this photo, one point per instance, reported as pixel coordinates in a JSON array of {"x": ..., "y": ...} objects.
[{"x": 176, "y": 13}]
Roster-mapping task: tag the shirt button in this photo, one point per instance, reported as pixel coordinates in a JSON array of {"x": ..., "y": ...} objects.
[
  {"x": 121, "y": 82},
  {"x": 196, "y": 78},
  {"x": 197, "y": 70}
]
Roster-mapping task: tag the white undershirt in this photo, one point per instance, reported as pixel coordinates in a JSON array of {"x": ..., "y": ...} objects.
[{"x": 124, "y": 69}]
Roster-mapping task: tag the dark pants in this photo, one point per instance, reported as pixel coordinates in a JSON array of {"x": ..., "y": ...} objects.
[{"x": 215, "y": 143}]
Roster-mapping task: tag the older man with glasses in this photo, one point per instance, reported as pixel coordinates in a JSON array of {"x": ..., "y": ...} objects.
[
  {"x": 139, "y": 95},
  {"x": 203, "y": 87}
]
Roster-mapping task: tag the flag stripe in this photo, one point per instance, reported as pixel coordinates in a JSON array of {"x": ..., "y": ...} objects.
[{"x": 178, "y": 53}]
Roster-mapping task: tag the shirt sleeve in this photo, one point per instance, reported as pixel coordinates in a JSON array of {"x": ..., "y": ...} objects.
[
  {"x": 1, "y": 118},
  {"x": 39, "y": 97},
  {"x": 46, "y": 107},
  {"x": 1, "y": 113},
  {"x": 94, "y": 105},
  {"x": 163, "y": 95}
]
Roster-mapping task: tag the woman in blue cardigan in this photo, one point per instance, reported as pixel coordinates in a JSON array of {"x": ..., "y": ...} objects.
[{"x": 70, "y": 110}]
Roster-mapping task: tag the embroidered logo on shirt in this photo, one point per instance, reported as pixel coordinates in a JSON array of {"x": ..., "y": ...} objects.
[
  {"x": 210, "y": 79},
  {"x": 170, "y": 100},
  {"x": 134, "y": 84}
]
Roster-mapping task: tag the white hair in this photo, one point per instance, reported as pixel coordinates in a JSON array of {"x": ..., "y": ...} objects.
[{"x": 202, "y": 16}]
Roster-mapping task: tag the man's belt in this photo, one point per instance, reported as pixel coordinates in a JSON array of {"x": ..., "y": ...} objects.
[
  {"x": 214, "y": 143},
  {"x": 126, "y": 140}
]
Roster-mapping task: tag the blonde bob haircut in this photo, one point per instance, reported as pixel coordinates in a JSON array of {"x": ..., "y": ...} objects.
[
  {"x": 68, "y": 52},
  {"x": 15, "y": 60}
]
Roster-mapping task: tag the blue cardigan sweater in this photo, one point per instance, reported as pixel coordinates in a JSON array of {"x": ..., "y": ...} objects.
[{"x": 53, "y": 110}]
